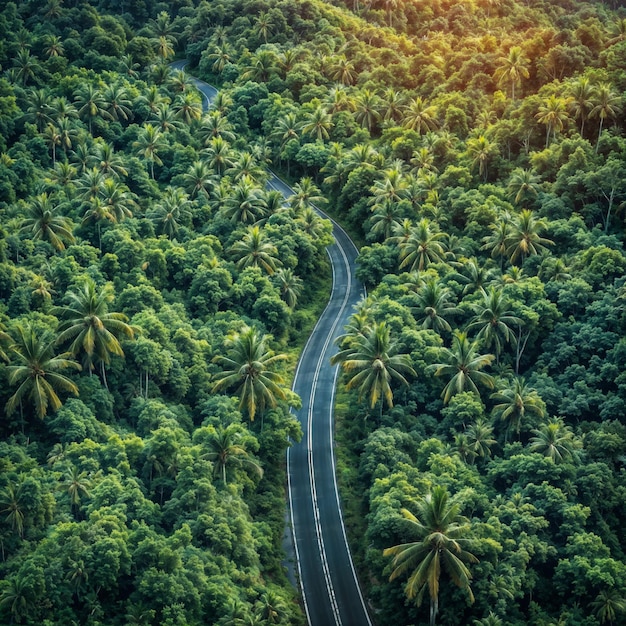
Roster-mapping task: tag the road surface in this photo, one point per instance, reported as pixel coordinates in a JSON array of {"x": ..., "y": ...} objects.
[{"x": 328, "y": 582}]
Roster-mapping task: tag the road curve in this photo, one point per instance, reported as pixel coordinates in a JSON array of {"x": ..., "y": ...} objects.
[{"x": 330, "y": 589}]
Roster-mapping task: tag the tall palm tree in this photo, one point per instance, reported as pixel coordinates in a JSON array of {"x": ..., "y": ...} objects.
[
  {"x": 263, "y": 25},
  {"x": 386, "y": 216},
  {"x": 165, "y": 118},
  {"x": 188, "y": 107},
  {"x": 441, "y": 535},
  {"x": 514, "y": 402},
  {"x": 307, "y": 194},
  {"x": 289, "y": 285},
  {"x": 53, "y": 139},
  {"x": 26, "y": 66},
  {"x": 245, "y": 203},
  {"x": 117, "y": 198},
  {"x": 248, "y": 367},
  {"x": 553, "y": 113},
  {"x": 318, "y": 124},
  {"x": 513, "y": 68},
  {"x": 53, "y": 46},
  {"x": 433, "y": 306},
  {"x": 77, "y": 484},
  {"x": 481, "y": 150},
  {"x": 254, "y": 251},
  {"x": 225, "y": 449},
  {"x": 215, "y": 124},
  {"x": 371, "y": 361},
  {"x": 607, "y": 105},
  {"x": 524, "y": 238},
  {"x": 480, "y": 439},
  {"x": 366, "y": 106},
  {"x": 493, "y": 320},
  {"x": 37, "y": 372},
  {"x": 522, "y": 185},
  {"x": 92, "y": 330},
  {"x": 198, "y": 179},
  {"x": 420, "y": 116},
  {"x": 219, "y": 155},
  {"x": 246, "y": 166},
  {"x": 91, "y": 104},
  {"x": 555, "y": 440},
  {"x": 261, "y": 66},
  {"x": 343, "y": 71},
  {"x": 422, "y": 247},
  {"x": 149, "y": 143},
  {"x": 581, "y": 93},
  {"x": 44, "y": 222},
  {"x": 168, "y": 214},
  {"x": 461, "y": 365},
  {"x": 609, "y": 603},
  {"x": 39, "y": 111},
  {"x": 117, "y": 102},
  {"x": 221, "y": 57},
  {"x": 107, "y": 161}
]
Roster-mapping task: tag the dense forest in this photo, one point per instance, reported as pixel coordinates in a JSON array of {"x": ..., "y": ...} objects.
[{"x": 154, "y": 295}]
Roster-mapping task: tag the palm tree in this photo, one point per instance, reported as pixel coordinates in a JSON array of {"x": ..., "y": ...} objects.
[
  {"x": 386, "y": 216},
  {"x": 17, "y": 594},
  {"x": 462, "y": 365},
  {"x": 77, "y": 484},
  {"x": 107, "y": 161},
  {"x": 553, "y": 113},
  {"x": 607, "y": 106},
  {"x": 246, "y": 166},
  {"x": 37, "y": 372},
  {"x": 248, "y": 366},
  {"x": 499, "y": 239},
  {"x": 88, "y": 325},
  {"x": 307, "y": 194},
  {"x": 53, "y": 139},
  {"x": 419, "y": 116},
  {"x": 514, "y": 403},
  {"x": 198, "y": 179},
  {"x": 254, "y": 251},
  {"x": 522, "y": 185},
  {"x": 422, "y": 247},
  {"x": 221, "y": 57},
  {"x": 188, "y": 107},
  {"x": 245, "y": 204},
  {"x": 261, "y": 66},
  {"x": 581, "y": 100},
  {"x": 513, "y": 68},
  {"x": 39, "y": 111},
  {"x": 168, "y": 214},
  {"x": 441, "y": 535},
  {"x": 91, "y": 104},
  {"x": 371, "y": 360},
  {"x": 343, "y": 71},
  {"x": 366, "y": 109},
  {"x": 434, "y": 306},
  {"x": 271, "y": 607},
  {"x": 289, "y": 285},
  {"x": 481, "y": 150},
  {"x": 475, "y": 275},
  {"x": 117, "y": 102},
  {"x": 44, "y": 222},
  {"x": 219, "y": 155},
  {"x": 317, "y": 124},
  {"x": 90, "y": 184},
  {"x": 393, "y": 105},
  {"x": 609, "y": 603},
  {"x": 226, "y": 449},
  {"x": 148, "y": 145},
  {"x": 165, "y": 118},
  {"x": 26, "y": 66},
  {"x": 263, "y": 25},
  {"x": 524, "y": 239},
  {"x": 493, "y": 320},
  {"x": 117, "y": 198},
  {"x": 480, "y": 439},
  {"x": 555, "y": 440},
  {"x": 215, "y": 124}
]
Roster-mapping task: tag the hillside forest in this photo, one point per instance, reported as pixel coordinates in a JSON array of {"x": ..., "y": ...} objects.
[{"x": 154, "y": 295}]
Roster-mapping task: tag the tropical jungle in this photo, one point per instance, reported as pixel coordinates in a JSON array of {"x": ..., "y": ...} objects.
[{"x": 155, "y": 295}]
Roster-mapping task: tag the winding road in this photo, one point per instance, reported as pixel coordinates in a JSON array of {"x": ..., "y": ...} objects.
[{"x": 330, "y": 589}]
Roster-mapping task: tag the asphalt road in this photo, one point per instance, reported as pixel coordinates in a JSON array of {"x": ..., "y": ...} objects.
[{"x": 329, "y": 585}]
